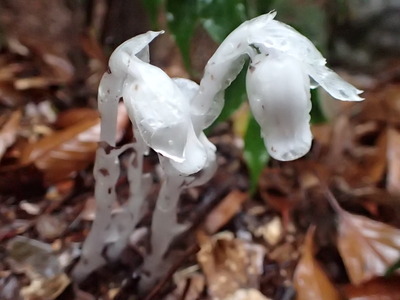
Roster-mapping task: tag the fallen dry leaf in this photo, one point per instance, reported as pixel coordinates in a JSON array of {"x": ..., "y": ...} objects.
[
  {"x": 63, "y": 152},
  {"x": 247, "y": 294},
  {"x": 50, "y": 227},
  {"x": 33, "y": 258},
  {"x": 190, "y": 284},
  {"x": 225, "y": 211},
  {"x": 277, "y": 189},
  {"x": 380, "y": 288},
  {"x": 8, "y": 132},
  {"x": 229, "y": 264},
  {"x": 393, "y": 162},
  {"x": 368, "y": 248},
  {"x": 74, "y": 116},
  {"x": 310, "y": 280},
  {"x": 72, "y": 149},
  {"x": 45, "y": 288}
]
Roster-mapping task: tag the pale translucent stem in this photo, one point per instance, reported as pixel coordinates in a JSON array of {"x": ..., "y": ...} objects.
[
  {"x": 164, "y": 229},
  {"x": 106, "y": 173},
  {"x": 165, "y": 226},
  {"x": 139, "y": 185}
]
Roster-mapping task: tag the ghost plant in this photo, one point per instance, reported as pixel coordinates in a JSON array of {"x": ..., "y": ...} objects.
[
  {"x": 284, "y": 65},
  {"x": 169, "y": 116}
]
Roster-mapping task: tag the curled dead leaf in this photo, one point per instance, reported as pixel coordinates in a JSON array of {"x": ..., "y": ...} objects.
[
  {"x": 368, "y": 248},
  {"x": 63, "y": 152},
  {"x": 8, "y": 131},
  {"x": 72, "y": 149},
  {"x": 393, "y": 162},
  {"x": 310, "y": 280},
  {"x": 225, "y": 210}
]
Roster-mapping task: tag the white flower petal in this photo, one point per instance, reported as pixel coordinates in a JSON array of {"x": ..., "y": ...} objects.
[
  {"x": 221, "y": 69},
  {"x": 195, "y": 155},
  {"x": 277, "y": 36},
  {"x": 284, "y": 38},
  {"x": 279, "y": 96},
  {"x": 334, "y": 84},
  {"x": 210, "y": 166},
  {"x": 112, "y": 82},
  {"x": 200, "y": 161},
  {"x": 159, "y": 109},
  {"x": 120, "y": 59},
  {"x": 188, "y": 87}
]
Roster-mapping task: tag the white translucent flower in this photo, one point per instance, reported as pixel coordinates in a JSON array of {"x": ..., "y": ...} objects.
[
  {"x": 158, "y": 106},
  {"x": 284, "y": 65}
]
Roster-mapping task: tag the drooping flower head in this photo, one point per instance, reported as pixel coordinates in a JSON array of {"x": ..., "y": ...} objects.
[
  {"x": 284, "y": 65},
  {"x": 158, "y": 106}
]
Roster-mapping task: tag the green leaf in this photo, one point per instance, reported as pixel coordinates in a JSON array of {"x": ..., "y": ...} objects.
[
  {"x": 152, "y": 7},
  {"x": 317, "y": 115},
  {"x": 258, "y": 7},
  {"x": 308, "y": 17},
  {"x": 235, "y": 95},
  {"x": 220, "y": 17},
  {"x": 255, "y": 154},
  {"x": 182, "y": 20},
  {"x": 393, "y": 268}
]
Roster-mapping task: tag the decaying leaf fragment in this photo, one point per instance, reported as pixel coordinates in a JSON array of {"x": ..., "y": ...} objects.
[
  {"x": 224, "y": 212},
  {"x": 310, "y": 280},
  {"x": 71, "y": 149},
  {"x": 9, "y": 131},
  {"x": 48, "y": 289},
  {"x": 368, "y": 247},
  {"x": 66, "y": 151},
  {"x": 247, "y": 294},
  {"x": 229, "y": 264},
  {"x": 38, "y": 262},
  {"x": 393, "y": 161}
]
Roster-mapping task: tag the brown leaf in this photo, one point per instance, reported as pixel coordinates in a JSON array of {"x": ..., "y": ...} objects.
[
  {"x": 393, "y": 162},
  {"x": 75, "y": 115},
  {"x": 63, "y": 152},
  {"x": 8, "y": 131},
  {"x": 368, "y": 248},
  {"x": 27, "y": 29},
  {"x": 9, "y": 96},
  {"x": 190, "y": 284},
  {"x": 380, "y": 288},
  {"x": 224, "y": 211},
  {"x": 247, "y": 294},
  {"x": 310, "y": 280},
  {"x": 277, "y": 189},
  {"x": 45, "y": 288},
  {"x": 229, "y": 264},
  {"x": 50, "y": 227},
  {"x": 21, "y": 180}
]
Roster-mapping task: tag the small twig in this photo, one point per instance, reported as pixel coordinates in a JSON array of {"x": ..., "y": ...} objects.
[
  {"x": 186, "y": 289},
  {"x": 159, "y": 286},
  {"x": 329, "y": 195}
]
